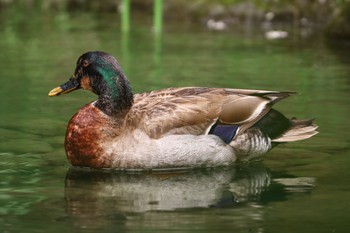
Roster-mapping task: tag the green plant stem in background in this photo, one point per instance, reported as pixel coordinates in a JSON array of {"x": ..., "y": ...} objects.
[
  {"x": 125, "y": 16},
  {"x": 157, "y": 16}
]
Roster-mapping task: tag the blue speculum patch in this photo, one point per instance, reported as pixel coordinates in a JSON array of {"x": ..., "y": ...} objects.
[{"x": 225, "y": 132}]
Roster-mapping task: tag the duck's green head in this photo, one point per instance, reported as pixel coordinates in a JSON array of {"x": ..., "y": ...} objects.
[
  {"x": 100, "y": 73},
  {"x": 95, "y": 71}
]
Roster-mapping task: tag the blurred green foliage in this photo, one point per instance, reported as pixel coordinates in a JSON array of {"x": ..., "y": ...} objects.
[
  {"x": 338, "y": 26},
  {"x": 331, "y": 15}
]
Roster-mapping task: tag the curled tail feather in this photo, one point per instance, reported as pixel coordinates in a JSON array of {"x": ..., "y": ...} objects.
[{"x": 299, "y": 130}]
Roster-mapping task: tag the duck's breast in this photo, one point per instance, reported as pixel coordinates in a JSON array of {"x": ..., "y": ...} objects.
[{"x": 86, "y": 132}]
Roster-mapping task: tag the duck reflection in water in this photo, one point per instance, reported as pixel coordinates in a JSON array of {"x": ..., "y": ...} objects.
[
  {"x": 94, "y": 196},
  {"x": 95, "y": 190}
]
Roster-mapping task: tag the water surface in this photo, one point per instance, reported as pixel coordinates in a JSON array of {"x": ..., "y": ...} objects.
[{"x": 298, "y": 187}]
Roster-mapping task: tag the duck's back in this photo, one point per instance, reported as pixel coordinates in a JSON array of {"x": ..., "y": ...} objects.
[{"x": 194, "y": 110}]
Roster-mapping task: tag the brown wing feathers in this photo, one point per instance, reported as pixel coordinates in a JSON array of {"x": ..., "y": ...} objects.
[{"x": 195, "y": 110}]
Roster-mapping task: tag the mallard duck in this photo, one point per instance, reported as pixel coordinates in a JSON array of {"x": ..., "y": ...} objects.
[{"x": 170, "y": 128}]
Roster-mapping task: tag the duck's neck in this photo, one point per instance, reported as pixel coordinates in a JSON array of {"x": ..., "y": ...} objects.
[{"x": 115, "y": 98}]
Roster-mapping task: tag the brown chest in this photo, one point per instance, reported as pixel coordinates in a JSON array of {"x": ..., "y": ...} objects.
[{"x": 86, "y": 135}]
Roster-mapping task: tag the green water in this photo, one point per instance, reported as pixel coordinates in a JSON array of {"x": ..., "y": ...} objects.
[{"x": 298, "y": 187}]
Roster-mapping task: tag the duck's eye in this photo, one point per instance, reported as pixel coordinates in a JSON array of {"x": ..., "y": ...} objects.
[{"x": 85, "y": 63}]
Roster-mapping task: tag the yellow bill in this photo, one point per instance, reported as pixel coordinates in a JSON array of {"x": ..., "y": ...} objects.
[{"x": 67, "y": 87}]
